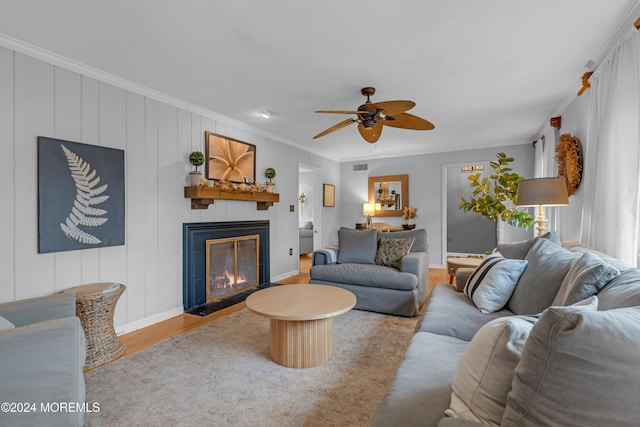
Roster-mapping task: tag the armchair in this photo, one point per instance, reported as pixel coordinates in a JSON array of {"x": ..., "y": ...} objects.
[{"x": 42, "y": 360}]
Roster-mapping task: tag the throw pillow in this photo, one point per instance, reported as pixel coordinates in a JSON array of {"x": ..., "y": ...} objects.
[
  {"x": 483, "y": 378},
  {"x": 541, "y": 280},
  {"x": 491, "y": 284},
  {"x": 357, "y": 246},
  {"x": 579, "y": 367},
  {"x": 5, "y": 324},
  {"x": 585, "y": 278},
  {"x": 519, "y": 250},
  {"x": 391, "y": 251}
]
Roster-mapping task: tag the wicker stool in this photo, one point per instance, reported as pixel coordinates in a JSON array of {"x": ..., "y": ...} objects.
[{"x": 95, "y": 304}]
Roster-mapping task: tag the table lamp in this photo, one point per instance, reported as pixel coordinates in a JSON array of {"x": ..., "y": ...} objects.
[
  {"x": 369, "y": 209},
  {"x": 542, "y": 192}
]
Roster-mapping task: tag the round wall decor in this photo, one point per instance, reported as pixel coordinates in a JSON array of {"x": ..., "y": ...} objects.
[{"x": 569, "y": 156}]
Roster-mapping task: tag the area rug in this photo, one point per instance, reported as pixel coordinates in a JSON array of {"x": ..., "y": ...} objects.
[{"x": 220, "y": 374}]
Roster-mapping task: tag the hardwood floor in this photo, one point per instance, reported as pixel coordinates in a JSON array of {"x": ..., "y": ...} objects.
[{"x": 146, "y": 337}]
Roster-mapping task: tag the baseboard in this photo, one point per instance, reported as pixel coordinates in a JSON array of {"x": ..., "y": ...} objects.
[
  {"x": 148, "y": 321},
  {"x": 284, "y": 276}
]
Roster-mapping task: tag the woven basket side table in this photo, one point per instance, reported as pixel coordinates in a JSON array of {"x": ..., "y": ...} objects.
[{"x": 95, "y": 306}]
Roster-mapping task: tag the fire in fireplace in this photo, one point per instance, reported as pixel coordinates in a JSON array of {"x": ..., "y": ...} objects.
[{"x": 232, "y": 265}]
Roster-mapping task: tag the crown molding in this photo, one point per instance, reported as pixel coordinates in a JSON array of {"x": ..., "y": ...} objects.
[{"x": 57, "y": 60}]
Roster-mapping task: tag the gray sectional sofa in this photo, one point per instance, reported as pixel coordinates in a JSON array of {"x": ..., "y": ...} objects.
[
  {"x": 389, "y": 285},
  {"x": 575, "y": 364}
]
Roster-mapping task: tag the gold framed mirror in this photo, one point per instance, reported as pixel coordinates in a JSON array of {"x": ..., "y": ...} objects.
[{"x": 391, "y": 192}]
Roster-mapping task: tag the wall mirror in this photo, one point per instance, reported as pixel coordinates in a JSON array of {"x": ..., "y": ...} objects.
[{"x": 391, "y": 192}]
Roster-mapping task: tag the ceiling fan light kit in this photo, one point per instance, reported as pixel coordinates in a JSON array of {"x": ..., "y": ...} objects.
[{"x": 372, "y": 116}]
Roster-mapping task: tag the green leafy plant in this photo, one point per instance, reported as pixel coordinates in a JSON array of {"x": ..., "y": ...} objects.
[
  {"x": 494, "y": 197},
  {"x": 196, "y": 159},
  {"x": 270, "y": 173}
]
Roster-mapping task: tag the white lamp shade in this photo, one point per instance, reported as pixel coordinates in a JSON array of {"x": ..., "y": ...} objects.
[
  {"x": 368, "y": 209},
  {"x": 543, "y": 192}
]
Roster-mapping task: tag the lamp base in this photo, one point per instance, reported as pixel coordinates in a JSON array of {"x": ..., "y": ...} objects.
[
  {"x": 368, "y": 222},
  {"x": 541, "y": 221}
]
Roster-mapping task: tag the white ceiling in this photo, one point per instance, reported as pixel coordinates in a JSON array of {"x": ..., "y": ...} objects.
[{"x": 486, "y": 73}]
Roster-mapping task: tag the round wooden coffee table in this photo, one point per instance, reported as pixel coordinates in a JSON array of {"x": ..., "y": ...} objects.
[{"x": 301, "y": 321}]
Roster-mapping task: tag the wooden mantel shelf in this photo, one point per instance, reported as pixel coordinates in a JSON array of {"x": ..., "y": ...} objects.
[{"x": 201, "y": 197}]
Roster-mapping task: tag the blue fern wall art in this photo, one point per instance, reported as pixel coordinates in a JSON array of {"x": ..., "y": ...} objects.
[{"x": 80, "y": 196}]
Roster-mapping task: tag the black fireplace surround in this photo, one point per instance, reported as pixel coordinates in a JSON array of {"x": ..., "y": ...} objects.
[{"x": 194, "y": 237}]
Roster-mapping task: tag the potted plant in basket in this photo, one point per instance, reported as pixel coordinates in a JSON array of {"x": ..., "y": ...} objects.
[
  {"x": 408, "y": 214},
  {"x": 196, "y": 158},
  {"x": 270, "y": 173}
]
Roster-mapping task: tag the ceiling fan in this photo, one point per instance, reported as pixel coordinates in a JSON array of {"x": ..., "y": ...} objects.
[{"x": 372, "y": 116}]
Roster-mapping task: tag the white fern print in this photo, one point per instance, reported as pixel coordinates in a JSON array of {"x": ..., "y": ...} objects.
[{"x": 83, "y": 212}]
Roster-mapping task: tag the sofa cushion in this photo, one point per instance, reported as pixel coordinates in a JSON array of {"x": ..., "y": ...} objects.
[
  {"x": 519, "y": 250},
  {"x": 357, "y": 246},
  {"x": 579, "y": 367},
  {"x": 419, "y": 234},
  {"x": 623, "y": 291},
  {"x": 585, "y": 278},
  {"x": 483, "y": 378},
  {"x": 452, "y": 313},
  {"x": 491, "y": 284},
  {"x": 580, "y": 248},
  {"x": 373, "y": 275},
  {"x": 391, "y": 251},
  {"x": 541, "y": 280},
  {"x": 421, "y": 389},
  {"x": 5, "y": 324}
]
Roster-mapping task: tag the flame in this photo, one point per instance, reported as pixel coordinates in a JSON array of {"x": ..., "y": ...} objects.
[{"x": 232, "y": 279}]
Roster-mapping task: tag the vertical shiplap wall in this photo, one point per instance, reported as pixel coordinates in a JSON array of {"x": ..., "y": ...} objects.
[{"x": 38, "y": 98}]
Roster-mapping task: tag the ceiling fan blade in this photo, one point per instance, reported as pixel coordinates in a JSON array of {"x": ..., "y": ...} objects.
[
  {"x": 335, "y": 127},
  {"x": 370, "y": 134},
  {"x": 408, "y": 121},
  {"x": 342, "y": 112},
  {"x": 391, "y": 108}
]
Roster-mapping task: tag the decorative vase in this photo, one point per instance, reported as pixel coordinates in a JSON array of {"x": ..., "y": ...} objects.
[
  {"x": 408, "y": 226},
  {"x": 195, "y": 178},
  {"x": 270, "y": 186}
]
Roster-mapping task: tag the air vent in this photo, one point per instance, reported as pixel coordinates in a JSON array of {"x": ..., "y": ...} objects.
[{"x": 360, "y": 167}]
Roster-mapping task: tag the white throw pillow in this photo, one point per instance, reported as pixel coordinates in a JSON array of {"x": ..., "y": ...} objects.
[
  {"x": 485, "y": 372},
  {"x": 491, "y": 284},
  {"x": 5, "y": 324}
]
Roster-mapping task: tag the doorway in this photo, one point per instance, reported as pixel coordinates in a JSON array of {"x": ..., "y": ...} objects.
[
  {"x": 463, "y": 233},
  {"x": 309, "y": 210}
]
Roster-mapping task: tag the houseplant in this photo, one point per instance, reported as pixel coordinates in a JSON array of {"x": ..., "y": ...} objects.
[
  {"x": 494, "y": 197},
  {"x": 270, "y": 173},
  {"x": 409, "y": 213},
  {"x": 196, "y": 158}
]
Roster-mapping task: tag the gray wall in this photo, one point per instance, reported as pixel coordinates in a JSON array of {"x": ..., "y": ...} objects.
[
  {"x": 425, "y": 188},
  {"x": 38, "y": 98}
]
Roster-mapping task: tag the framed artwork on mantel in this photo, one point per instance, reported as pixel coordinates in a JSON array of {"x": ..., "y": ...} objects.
[
  {"x": 329, "y": 195},
  {"x": 229, "y": 159}
]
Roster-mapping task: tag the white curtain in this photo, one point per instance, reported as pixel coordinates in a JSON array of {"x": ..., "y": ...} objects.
[{"x": 612, "y": 153}]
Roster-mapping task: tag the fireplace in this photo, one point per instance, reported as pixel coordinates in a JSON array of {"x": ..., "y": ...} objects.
[{"x": 223, "y": 258}]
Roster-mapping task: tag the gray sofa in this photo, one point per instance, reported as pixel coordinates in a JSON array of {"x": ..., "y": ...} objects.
[
  {"x": 398, "y": 288},
  {"x": 41, "y": 361},
  {"x": 578, "y": 366},
  {"x": 305, "y": 237}
]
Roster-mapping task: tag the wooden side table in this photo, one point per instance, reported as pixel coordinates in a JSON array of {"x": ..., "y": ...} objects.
[
  {"x": 453, "y": 264},
  {"x": 95, "y": 305}
]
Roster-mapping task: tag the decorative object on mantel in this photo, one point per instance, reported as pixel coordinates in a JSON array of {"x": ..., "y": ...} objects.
[
  {"x": 490, "y": 195},
  {"x": 229, "y": 159},
  {"x": 196, "y": 158},
  {"x": 270, "y": 173},
  {"x": 409, "y": 213},
  {"x": 80, "y": 196},
  {"x": 569, "y": 156}
]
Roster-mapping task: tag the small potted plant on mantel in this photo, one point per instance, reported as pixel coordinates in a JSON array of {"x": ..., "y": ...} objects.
[
  {"x": 270, "y": 173},
  {"x": 196, "y": 158}
]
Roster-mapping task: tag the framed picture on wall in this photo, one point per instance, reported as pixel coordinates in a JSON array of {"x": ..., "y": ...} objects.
[
  {"x": 229, "y": 159},
  {"x": 329, "y": 195},
  {"x": 80, "y": 196}
]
